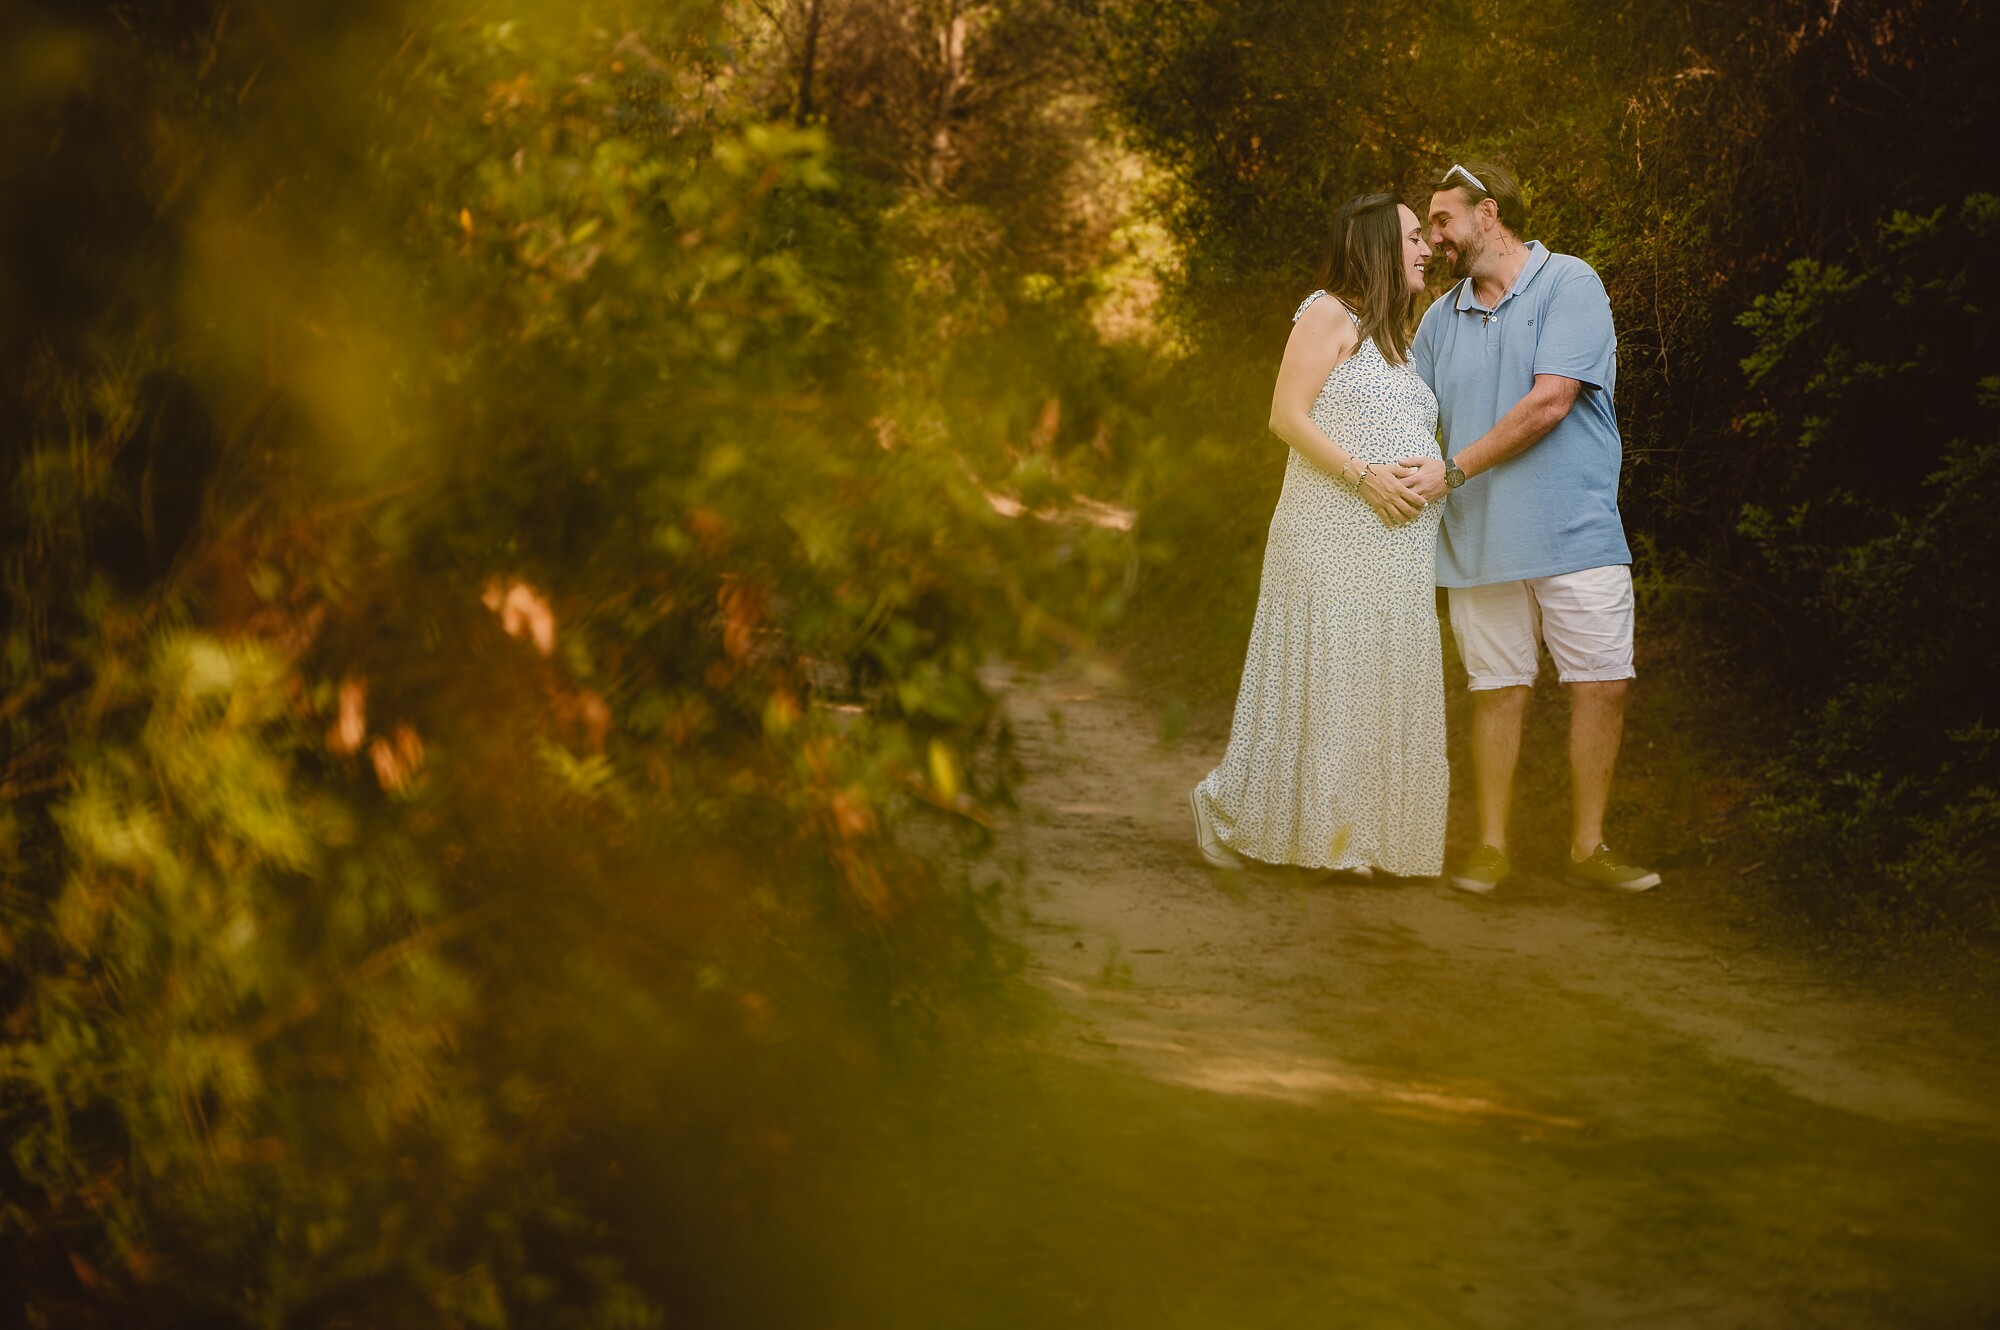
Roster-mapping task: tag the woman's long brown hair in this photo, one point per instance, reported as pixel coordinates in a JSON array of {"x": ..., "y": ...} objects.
[{"x": 1364, "y": 267}]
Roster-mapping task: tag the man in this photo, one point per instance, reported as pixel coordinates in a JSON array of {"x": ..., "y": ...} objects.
[{"x": 1523, "y": 358}]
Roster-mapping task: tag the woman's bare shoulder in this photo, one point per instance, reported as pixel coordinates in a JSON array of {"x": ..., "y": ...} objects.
[{"x": 1323, "y": 318}]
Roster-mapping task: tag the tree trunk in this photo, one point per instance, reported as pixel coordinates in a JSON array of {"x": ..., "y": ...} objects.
[
  {"x": 951, "y": 43},
  {"x": 807, "y": 54}
]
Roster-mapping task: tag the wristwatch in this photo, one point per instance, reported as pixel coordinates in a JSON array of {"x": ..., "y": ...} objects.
[{"x": 1453, "y": 477}]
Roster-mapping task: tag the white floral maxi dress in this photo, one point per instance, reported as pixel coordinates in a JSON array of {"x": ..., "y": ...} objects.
[{"x": 1336, "y": 756}]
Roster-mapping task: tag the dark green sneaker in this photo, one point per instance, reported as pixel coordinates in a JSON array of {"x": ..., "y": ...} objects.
[
  {"x": 1483, "y": 870},
  {"x": 1605, "y": 869}
]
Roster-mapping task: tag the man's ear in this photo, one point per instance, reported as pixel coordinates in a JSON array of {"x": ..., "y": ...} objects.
[{"x": 1490, "y": 208}]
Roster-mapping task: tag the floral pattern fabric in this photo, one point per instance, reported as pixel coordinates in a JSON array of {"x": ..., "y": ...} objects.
[{"x": 1336, "y": 755}]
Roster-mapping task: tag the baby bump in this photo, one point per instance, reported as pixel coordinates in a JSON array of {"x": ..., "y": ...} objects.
[{"x": 1335, "y": 539}]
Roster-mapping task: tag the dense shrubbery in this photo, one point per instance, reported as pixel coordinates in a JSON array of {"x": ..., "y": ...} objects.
[
  {"x": 1879, "y": 411},
  {"x": 500, "y": 539}
]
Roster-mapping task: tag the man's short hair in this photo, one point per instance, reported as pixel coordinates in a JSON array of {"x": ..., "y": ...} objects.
[{"x": 1489, "y": 180}]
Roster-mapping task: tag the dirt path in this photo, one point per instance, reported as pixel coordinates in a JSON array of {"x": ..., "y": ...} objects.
[{"x": 1271, "y": 1101}]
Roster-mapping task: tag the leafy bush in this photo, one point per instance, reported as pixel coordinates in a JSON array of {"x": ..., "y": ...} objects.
[
  {"x": 1875, "y": 413},
  {"x": 500, "y": 545}
]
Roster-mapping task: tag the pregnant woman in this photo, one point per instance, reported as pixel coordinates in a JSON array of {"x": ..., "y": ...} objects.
[{"x": 1336, "y": 756}]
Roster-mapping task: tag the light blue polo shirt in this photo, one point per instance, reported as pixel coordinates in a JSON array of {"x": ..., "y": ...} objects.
[{"x": 1554, "y": 508}]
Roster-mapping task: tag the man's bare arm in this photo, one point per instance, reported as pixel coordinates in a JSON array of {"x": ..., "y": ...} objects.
[{"x": 1526, "y": 424}]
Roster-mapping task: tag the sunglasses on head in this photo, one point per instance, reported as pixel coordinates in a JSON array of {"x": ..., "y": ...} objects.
[{"x": 1470, "y": 179}]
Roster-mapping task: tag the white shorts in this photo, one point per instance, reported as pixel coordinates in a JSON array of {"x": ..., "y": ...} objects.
[{"x": 1585, "y": 617}]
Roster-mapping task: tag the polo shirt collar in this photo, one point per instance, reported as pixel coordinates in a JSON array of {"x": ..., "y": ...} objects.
[{"x": 1538, "y": 254}]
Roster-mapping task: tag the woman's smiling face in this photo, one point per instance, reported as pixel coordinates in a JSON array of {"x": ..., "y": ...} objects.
[{"x": 1416, "y": 254}]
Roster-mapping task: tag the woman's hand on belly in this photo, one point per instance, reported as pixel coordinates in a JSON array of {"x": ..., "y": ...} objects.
[{"x": 1394, "y": 499}]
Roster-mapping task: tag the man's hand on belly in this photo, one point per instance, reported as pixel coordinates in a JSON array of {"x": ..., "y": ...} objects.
[{"x": 1424, "y": 476}]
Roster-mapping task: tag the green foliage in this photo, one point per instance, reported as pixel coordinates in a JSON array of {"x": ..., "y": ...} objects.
[
  {"x": 1876, "y": 405},
  {"x": 1643, "y": 135},
  {"x": 502, "y": 539}
]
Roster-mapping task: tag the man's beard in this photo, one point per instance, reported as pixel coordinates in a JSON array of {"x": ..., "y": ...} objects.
[{"x": 1463, "y": 256}]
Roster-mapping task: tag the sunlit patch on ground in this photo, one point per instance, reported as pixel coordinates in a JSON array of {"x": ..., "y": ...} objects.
[
  {"x": 1279, "y": 1074},
  {"x": 1304, "y": 1082}
]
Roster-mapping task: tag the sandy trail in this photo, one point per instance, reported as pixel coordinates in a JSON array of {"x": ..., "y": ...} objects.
[{"x": 1275, "y": 1100}]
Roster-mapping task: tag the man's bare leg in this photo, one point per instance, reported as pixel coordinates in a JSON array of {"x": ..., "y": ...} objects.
[
  {"x": 1596, "y": 725},
  {"x": 1496, "y": 747}
]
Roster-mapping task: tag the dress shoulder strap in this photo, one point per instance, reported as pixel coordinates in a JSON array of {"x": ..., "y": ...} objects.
[{"x": 1307, "y": 304}]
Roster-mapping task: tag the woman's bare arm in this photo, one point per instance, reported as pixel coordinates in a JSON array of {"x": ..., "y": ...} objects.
[{"x": 1321, "y": 339}]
